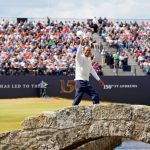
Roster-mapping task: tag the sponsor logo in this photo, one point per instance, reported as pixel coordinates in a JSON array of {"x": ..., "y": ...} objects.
[{"x": 120, "y": 86}]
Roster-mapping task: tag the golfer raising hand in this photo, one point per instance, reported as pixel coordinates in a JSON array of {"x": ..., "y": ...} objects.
[{"x": 83, "y": 70}]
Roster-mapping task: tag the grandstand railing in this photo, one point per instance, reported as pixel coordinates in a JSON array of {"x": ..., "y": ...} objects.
[{"x": 128, "y": 70}]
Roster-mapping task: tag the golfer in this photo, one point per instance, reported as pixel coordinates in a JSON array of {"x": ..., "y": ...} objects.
[{"x": 83, "y": 70}]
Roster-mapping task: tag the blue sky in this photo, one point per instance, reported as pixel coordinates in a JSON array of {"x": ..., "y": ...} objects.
[{"x": 135, "y": 9}]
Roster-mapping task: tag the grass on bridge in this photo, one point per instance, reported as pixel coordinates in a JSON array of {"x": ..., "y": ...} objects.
[{"x": 14, "y": 111}]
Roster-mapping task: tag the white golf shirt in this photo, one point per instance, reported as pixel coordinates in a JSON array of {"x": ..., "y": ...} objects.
[{"x": 84, "y": 67}]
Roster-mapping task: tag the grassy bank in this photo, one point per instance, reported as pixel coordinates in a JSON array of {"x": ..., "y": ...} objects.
[{"x": 13, "y": 111}]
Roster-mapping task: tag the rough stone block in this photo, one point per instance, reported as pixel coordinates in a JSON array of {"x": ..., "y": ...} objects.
[
  {"x": 74, "y": 116},
  {"x": 141, "y": 114},
  {"x": 112, "y": 112},
  {"x": 45, "y": 120}
]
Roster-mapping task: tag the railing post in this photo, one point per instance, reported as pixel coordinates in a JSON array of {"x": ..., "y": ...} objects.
[
  {"x": 134, "y": 71},
  {"x": 116, "y": 71}
]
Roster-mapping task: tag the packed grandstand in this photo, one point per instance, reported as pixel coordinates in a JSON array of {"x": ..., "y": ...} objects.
[{"x": 49, "y": 48}]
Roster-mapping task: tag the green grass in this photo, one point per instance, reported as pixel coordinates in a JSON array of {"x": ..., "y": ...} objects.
[{"x": 14, "y": 111}]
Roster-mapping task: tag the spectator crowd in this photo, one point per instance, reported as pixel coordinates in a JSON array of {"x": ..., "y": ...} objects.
[
  {"x": 41, "y": 48},
  {"x": 126, "y": 37},
  {"x": 50, "y": 47}
]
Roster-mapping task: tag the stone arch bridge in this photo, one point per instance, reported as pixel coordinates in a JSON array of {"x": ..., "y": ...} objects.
[{"x": 95, "y": 127}]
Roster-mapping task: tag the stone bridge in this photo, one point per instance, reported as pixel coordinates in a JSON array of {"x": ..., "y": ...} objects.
[{"x": 96, "y": 127}]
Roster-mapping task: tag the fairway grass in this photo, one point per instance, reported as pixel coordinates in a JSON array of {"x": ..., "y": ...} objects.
[{"x": 14, "y": 111}]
